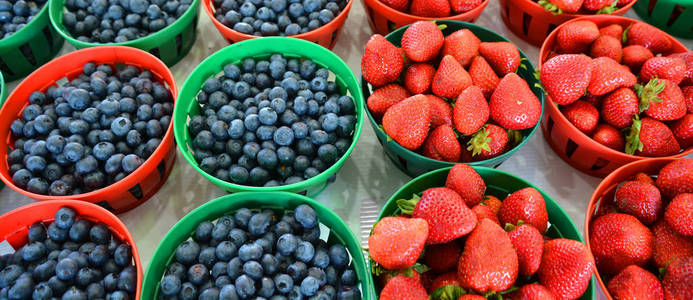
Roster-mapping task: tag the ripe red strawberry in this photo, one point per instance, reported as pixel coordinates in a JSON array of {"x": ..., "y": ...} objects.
[
  {"x": 525, "y": 205},
  {"x": 488, "y": 142},
  {"x": 481, "y": 272},
  {"x": 683, "y": 131},
  {"x": 649, "y": 137},
  {"x": 430, "y": 8},
  {"x": 595, "y": 5},
  {"x": 384, "y": 278},
  {"x": 471, "y": 111},
  {"x": 608, "y": 75},
  {"x": 596, "y": 101},
  {"x": 635, "y": 56},
  {"x": 619, "y": 240},
  {"x": 662, "y": 100},
  {"x": 382, "y": 62},
  {"x": 613, "y": 30},
  {"x": 669, "y": 245},
  {"x": 673, "y": 69},
  {"x": 688, "y": 60},
  {"x": 575, "y": 37},
  {"x": 513, "y": 105},
  {"x": 566, "y": 268},
  {"x": 529, "y": 245},
  {"x": 607, "y": 46},
  {"x": 407, "y": 122},
  {"x": 443, "y": 257},
  {"x": 619, "y": 107},
  {"x": 609, "y": 136},
  {"x": 503, "y": 57},
  {"x": 447, "y": 215},
  {"x": 688, "y": 97},
  {"x": 442, "y": 144},
  {"x": 460, "y": 6},
  {"x": 562, "y": 6},
  {"x": 466, "y": 182},
  {"x": 403, "y": 288},
  {"x": 634, "y": 282},
  {"x": 533, "y": 291},
  {"x": 418, "y": 77},
  {"x": 678, "y": 279},
  {"x": 384, "y": 97},
  {"x": 483, "y": 75},
  {"x": 441, "y": 111},
  {"x": 679, "y": 214},
  {"x": 643, "y": 34},
  {"x": 493, "y": 202},
  {"x": 400, "y": 5},
  {"x": 582, "y": 115},
  {"x": 422, "y": 41},
  {"x": 566, "y": 77},
  {"x": 676, "y": 178},
  {"x": 606, "y": 206},
  {"x": 450, "y": 78},
  {"x": 463, "y": 45},
  {"x": 485, "y": 212},
  {"x": 397, "y": 242},
  {"x": 471, "y": 297},
  {"x": 642, "y": 177},
  {"x": 449, "y": 278},
  {"x": 639, "y": 199}
]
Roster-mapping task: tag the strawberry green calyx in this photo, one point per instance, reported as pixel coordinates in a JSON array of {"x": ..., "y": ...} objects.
[
  {"x": 479, "y": 142},
  {"x": 407, "y": 205},
  {"x": 649, "y": 92},
  {"x": 624, "y": 37},
  {"x": 550, "y": 7},
  {"x": 377, "y": 269},
  {"x": 608, "y": 9},
  {"x": 633, "y": 142},
  {"x": 510, "y": 227},
  {"x": 448, "y": 292}
]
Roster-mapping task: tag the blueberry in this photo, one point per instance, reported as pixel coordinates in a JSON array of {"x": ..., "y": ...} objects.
[
  {"x": 258, "y": 224},
  {"x": 253, "y": 269},
  {"x": 188, "y": 291},
  {"x": 9, "y": 274},
  {"x": 127, "y": 279},
  {"x": 267, "y": 158},
  {"x": 22, "y": 288},
  {"x": 42, "y": 291},
  {"x": 66, "y": 269},
  {"x": 131, "y": 162},
  {"x": 37, "y": 232},
  {"x": 245, "y": 287},
  {"x": 258, "y": 176},
  {"x": 228, "y": 292},
  {"x": 267, "y": 116},
  {"x": 36, "y": 164},
  {"x": 207, "y": 256},
  {"x": 226, "y": 250},
  {"x": 37, "y": 185},
  {"x": 305, "y": 252},
  {"x": 238, "y": 174},
  {"x": 86, "y": 165},
  {"x": 73, "y": 151},
  {"x": 249, "y": 252},
  {"x": 265, "y": 132},
  {"x": 34, "y": 251}
]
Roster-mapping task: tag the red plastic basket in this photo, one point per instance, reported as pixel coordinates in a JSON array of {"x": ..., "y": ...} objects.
[
  {"x": 132, "y": 190},
  {"x": 607, "y": 188},
  {"x": 530, "y": 21},
  {"x": 573, "y": 146},
  {"x": 384, "y": 19},
  {"x": 16, "y": 223},
  {"x": 325, "y": 36}
]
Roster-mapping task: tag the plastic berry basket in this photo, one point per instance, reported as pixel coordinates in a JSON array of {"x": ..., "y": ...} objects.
[
  {"x": 530, "y": 21},
  {"x": 607, "y": 188},
  {"x": 384, "y": 19},
  {"x": 188, "y": 106},
  {"x": 500, "y": 184},
  {"x": 674, "y": 17},
  {"x": 30, "y": 47},
  {"x": 325, "y": 35},
  {"x": 573, "y": 146},
  {"x": 3, "y": 90},
  {"x": 339, "y": 232},
  {"x": 16, "y": 223},
  {"x": 415, "y": 164},
  {"x": 135, "y": 188},
  {"x": 170, "y": 44}
]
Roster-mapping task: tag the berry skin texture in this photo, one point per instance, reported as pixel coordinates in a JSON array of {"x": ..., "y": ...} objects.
[
  {"x": 443, "y": 257},
  {"x": 676, "y": 178},
  {"x": 442, "y": 144},
  {"x": 525, "y": 205},
  {"x": 635, "y": 56},
  {"x": 471, "y": 112},
  {"x": 566, "y": 268},
  {"x": 670, "y": 105},
  {"x": 397, "y": 242},
  {"x": 688, "y": 96},
  {"x": 673, "y": 69},
  {"x": 464, "y": 180},
  {"x": 384, "y": 97},
  {"x": 403, "y": 288},
  {"x": 533, "y": 291},
  {"x": 382, "y": 62},
  {"x": 460, "y": 6},
  {"x": 619, "y": 107},
  {"x": 430, "y": 8},
  {"x": 489, "y": 142},
  {"x": 485, "y": 212},
  {"x": 529, "y": 245},
  {"x": 566, "y": 77},
  {"x": 483, "y": 76},
  {"x": 502, "y": 56},
  {"x": 449, "y": 278},
  {"x": 669, "y": 245},
  {"x": 608, "y": 75},
  {"x": 422, "y": 41},
  {"x": 649, "y": 37},
  {"x": 407, "y": 122},
  {"x": 683, "y": 131},
  {"x": 463, "y": 45},
  {"x": 400, "y": 5},
  {"x": 679, "y": 214},
  {"x": 613, "y": 30},
  {"x": 609, "y": 136},
  {"x": 607, "y": 46},
  {"x": 634, "y": 282},
  {"x": 575, "y": 37},
  {"x": 450, "y": 78},
  {"x": 447, "y": 215},
  {"x": 441, "y": 111},
  {"x": 582, "y": 115},
  {"x": 678, "y": 279},
  {"x": 513, "y": 105},
  {"x": 655, "y": 138},
  {"x": 639, "y": 199},
  {"x": 619, "y": 240},
  {"x": 418, "y": 78}
]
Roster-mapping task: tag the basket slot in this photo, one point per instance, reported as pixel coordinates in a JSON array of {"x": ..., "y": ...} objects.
[
  {"x": 179, "y": 44},
  {"x": 136, "y": 191},
  {"x": 105, "y": 205},
  {"x": 28, "y": 54},
  {"x": 161, "y": 167},
  {"x": 599, "y": 164},
  {"x": 551, "y": 28},
  {"x": 675, "y": 14},
  {"x": 49, "y": 36},
  {"x": 4, "y": 68},
  {"x": 333, "y": 39},
  {"x": 651, "y": 7},
  {"x": 155, "y": 52},
  {"x": 570, "y": 148},
  {"x": 550, "y": 124},
  {"x": 526, "y": 20}
]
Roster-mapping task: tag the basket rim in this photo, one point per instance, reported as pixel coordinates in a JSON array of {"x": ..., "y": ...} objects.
[
  {"x": 620, "y": 11},
  {"x": 3, "y": 91},
  {"x": 22, "y": 35},
  {"x": 379, "y": 5}
]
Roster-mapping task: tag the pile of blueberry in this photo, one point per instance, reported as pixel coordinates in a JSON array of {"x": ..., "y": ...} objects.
[
  {"x": 276, "y": 17},
  {"x": 15, "y": 14},
  {"x": 89, "y": 132},
  {"x": 260, "y": 255},
  {"x": 72, "y": 258},
  {"x": 271, "y": 122},
  {"x": 109, "y": 21}
]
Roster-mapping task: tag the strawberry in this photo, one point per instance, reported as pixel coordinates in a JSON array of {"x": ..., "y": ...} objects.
[
  {"x": 662, "y": 100},
  {"x": 688, "y": 60},
  {"x": 441, "y": 111},
  {"x": 678, "y": 279},
  {"x": 608, "y": 75},
  {"x": 406, "y": 59},
  {"x": 688, "y": 97},
  {"x": 466, "y": 182},
  {"x": 643, "y": 34},
  {"x": 447, "y": 215},
  {"x": 514, "y": 105},
  {"x": 382, "y": 62},
  {"x": 488, "y": 142},
  {"x": 619, "y": 107},
  {"x": 403, "y": 288},
  {"x": 526, "y": 205},
  {"x": 679, "y": 214},
  {"x": 676, "y": 178},
  {"x": 449, "y": 278},
  {"x": 493, "y": 202},
  {"x": 582, "y": 115},
  {"x": 400, "y": 5},
  {"x": 529, "y": 245},
  {"x": 683, "y": 131},
  {"x": 669, "y": 245},
  {"x": 649, "y": 137},
  {"x": 396, "y": 242},
  {"x": 471, "y": 297},
  {"x": 463, "y": 45},
  {"x": 613, "y": 30},
  {"x": 442, "y": 144},
  {"x": 642, "y": 177},
  {"x": 576, "y": 37},
  {"x": 566, "y": 268},
  {"x": 443, "y": 257},
  {"x": 561, "y": 6},
  {"x": 481, "y": 272},
  {"x": 607, "y": 46},
  {"x": 635, "y": 56},
  {"x": 430, "y": 8},
  {"x": 450, "y": 78},
  {"x": 618, "y": 240},
  {"x": 418, "y": 77},
  {"x": 483, "y": 75},
  {"x": 485, "y": 212},
  {"x": 595, "y": 5},
  {"x": 460, "y": 6},
  {"x": 673, "y": 69},
  {"x": 385, "y": 277},
  {"x": 639, "y": 199},
  {"x": 634, "y": 282},
  {"x": 407, "y": 121},
  {"x": 471, "y": 111},
  {"x": 533, "y": 291},
  {"x": 502, "y": 56},
  {"x": 606, "y": 206},
  {"x": 596, "y": 101},
  {"x": 566, "y": 77},
  {"x": 384, "y": 97},
  {"x": 422, "y": 41}
]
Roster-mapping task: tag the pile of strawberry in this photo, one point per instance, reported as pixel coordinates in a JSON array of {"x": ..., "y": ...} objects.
[
  {"x": 430, "y": 103},
  {"x": 583, "y": 6},
  {"x": 642, "y": 235},
  {"x": 631, "y": 94},
  {"x": 448, "y": 243},
  {"x": 433, "y": 8}
]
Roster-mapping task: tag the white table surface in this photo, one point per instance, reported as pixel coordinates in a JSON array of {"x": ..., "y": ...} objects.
[{"x": 367, "y": 179}]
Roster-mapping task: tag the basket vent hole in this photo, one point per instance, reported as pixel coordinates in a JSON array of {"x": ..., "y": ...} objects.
[
  {"x": 179, "y": 43},
  {"x": 570, "y": 148},
  {"x": 550, "y": 126},
  {"x": 161, "y": 167},
  {"x": 155, "y": 52},
  {"x": 49, "y": 37},
  {"x": 650, "y": 7},
  {"x": 551, "y": 28},
  {"x": 600, "y": 163},
  {"x": 28, "y": 54},
  {"x": 136, "y": 191},
  {"x": 303, "y": 193},
  {"x": 526, "y": 18},
  {"x": 678, "y": 9},
  {"x": 105, "y": 205},
  {"x": 498, "y": 165},
  {"x": 4, "y": 68},
  {"x": 333, "y": 40},
  {"x": 507, "y": 11},
  {"x": 391, "y": 26}
]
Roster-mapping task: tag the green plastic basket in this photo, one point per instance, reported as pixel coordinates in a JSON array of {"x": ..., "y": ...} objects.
[
  {"x": 3, "y": 94},
  {"x": 673, "y": 16},
  {"x": 187, "y": 105},
  {"x": 500, "y": 184},
  {"x": 30, "y": 47},
  {"x": 170, "y": 44},
  {"x": 280, "y": 201},
  {"x": 415, "y": 164}
]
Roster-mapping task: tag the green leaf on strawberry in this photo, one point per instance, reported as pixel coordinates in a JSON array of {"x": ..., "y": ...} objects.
[
  {"x": 406, "y": 206},
  {"x": 608, "y": 9},
  {"x": 633, "y": 142},
  {"x": 550, "y": 7},
  {"x": 479, "y": 141},
  {"x": 377, "y": 269},
  {"x": 448, "y": 292},
  {"x": 649, "y": 92},
  {"x": 624, "y": 37}
]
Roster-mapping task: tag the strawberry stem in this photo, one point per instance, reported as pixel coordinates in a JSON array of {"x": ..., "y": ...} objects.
[
  {"x": 479, "y": 142},
  {"x": 624, "y": 37},
  {"x": 550, "y": 7},
  {"x": 608, "y": 9},
  {"x": 649, "y": 92},
  {"x": 633, "y": 142},
  {"x": 407, "y": 205},
  {"x": 448, "y": 292}
]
